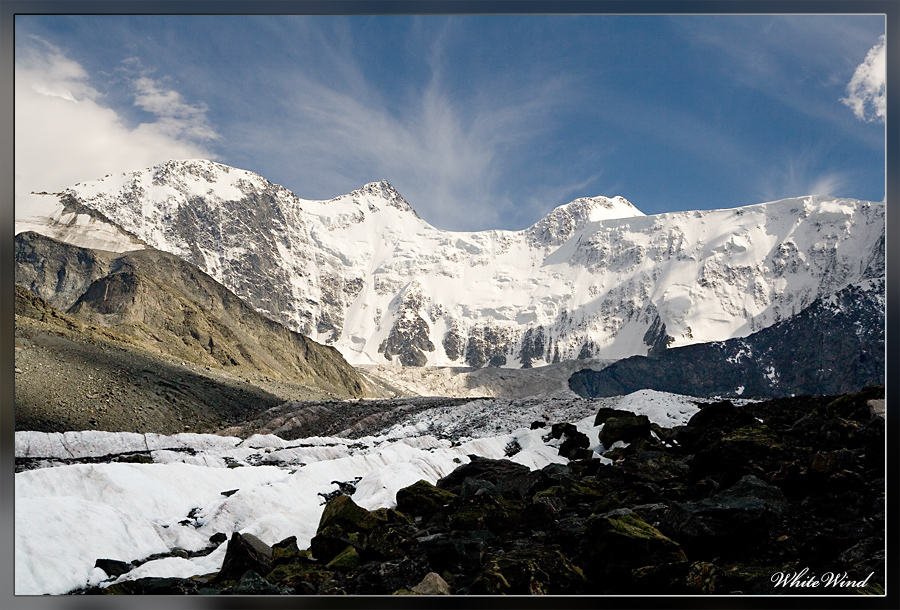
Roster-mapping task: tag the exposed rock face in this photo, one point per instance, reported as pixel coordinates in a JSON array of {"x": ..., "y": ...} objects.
[
  {"x": 744, "y": 494},
  {"x": 409, "y": 337},
  {"x": 593, "y": 279},
  {"x": 835, "y": 345},
  {"x": 55, "y": 271},
  {"x": 170, "y": 306}
]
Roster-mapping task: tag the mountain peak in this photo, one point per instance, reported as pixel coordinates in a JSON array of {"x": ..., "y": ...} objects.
[
  {"x": 592, "y": 209},
  {"x": 561, "y": 223},
  {"x": 384, "y": 190}
]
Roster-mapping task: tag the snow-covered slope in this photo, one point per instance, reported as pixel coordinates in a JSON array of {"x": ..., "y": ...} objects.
[
  {"x": 595, "y": 278},
  {"x": 60, "y": 217}
]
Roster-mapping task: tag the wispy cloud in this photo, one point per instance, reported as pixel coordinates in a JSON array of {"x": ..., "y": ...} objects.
[
  {"x": 794, "y": 60},
  {"x": 801, "y": 175},
  {"x": 444, "y": 149},
  {"x": 866, "y": 90},
  {"x": 65, "y": 133}
]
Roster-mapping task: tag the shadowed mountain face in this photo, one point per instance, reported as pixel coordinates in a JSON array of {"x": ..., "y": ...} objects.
[
  {"x": 166, "y": 305},
  {"x": 834, "y": 346}
]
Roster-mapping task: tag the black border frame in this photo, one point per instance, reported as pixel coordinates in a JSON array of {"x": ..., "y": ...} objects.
[{"x": 9, "y": 8}]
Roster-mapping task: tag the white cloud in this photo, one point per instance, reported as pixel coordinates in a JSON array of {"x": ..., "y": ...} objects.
[
  {"x": 866, "y": 90},
  {"x": 64, "y": 133},
  {"x": 176, "y": 118}
]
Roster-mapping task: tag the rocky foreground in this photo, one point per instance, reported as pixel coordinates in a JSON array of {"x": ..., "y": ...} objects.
[{"x": 779, "y": 497}]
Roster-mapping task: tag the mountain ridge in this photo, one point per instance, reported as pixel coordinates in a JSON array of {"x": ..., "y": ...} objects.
[{"x": 365, "y": 273}]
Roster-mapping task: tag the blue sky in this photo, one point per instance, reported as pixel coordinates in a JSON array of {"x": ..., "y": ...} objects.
[{"x": 479, "y": 121}]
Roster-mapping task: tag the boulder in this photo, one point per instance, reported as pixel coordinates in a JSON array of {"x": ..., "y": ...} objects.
[
  {"x": 384, "y": 578},
  {"x": 484, "y": 512},
  {"x": 626, "y": 428},
  {"x": 574, "y": 446},
  {"x": 153, "y": 586},
  {"x": 303, "y": 578},
  {"x": 459, "y": 554},
  {"x": 432, "y": 584},
  {"x": 558, "y": 431},
  {"x": 345, "y": 560},
  {"x": 244, "y": 552},
  {"x": 252, "y": 583},
  {"x": 614, "y": 545},
  {"x": 113, "y": 567},
  {"x": 530, "y": 571},
  {"x": 422, "y": 499},
  {"x": 343, "y": 523},
  {"x": 496, "y": 472},
  {"x": 605, "y": 413},
  {"x": 475, "y": 487},
  {"x": 654, "y": 467},
  {"x": 727, "y": 523}
]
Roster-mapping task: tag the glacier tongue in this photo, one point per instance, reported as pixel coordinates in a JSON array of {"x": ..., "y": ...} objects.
[{"x": 595, "y": 278}]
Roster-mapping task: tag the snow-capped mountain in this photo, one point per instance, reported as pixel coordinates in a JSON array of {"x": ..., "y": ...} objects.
[{"x": 595, "y": 278}]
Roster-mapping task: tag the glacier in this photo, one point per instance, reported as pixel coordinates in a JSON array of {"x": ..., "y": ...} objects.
[{"x": 132, "y": 511}]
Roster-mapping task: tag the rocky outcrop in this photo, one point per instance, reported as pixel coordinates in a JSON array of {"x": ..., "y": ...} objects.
[
  {"x": 835, "y": 345},
  {"x": 740, "y": 500}
]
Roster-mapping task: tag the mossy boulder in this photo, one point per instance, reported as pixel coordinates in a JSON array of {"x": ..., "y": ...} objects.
[
  {"x": 422, "y": 499},
  {"x": 305, "y": 579},
  {"x": 343, "y": 523},
  {"x": 730, "y": 522},
  {"x": 344, "y": 513},
  {"x": 388, "y": 542},
  {"x": 616, "y": 544},
  {"x": 345, "y": 560},
  {"x": 484, "y": 512},
  {"x": 534, "y": 571}
]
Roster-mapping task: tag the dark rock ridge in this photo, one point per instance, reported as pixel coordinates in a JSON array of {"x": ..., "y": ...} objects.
[
  {"x": 170, "y": 305},
  {"x": 835, "y": 345},
  {"x": 722, "y": 505}
]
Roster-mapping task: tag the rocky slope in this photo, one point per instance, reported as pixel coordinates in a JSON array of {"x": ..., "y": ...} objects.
[
  {"x": 71, "y": 375},
  {"x": 835, "y": 345},
  {"x": 593, "y": 279},
  {"x": 722, "y": 505},
  {"x": 171, "y": 306},
  {"x": 150, "y": 343}
]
